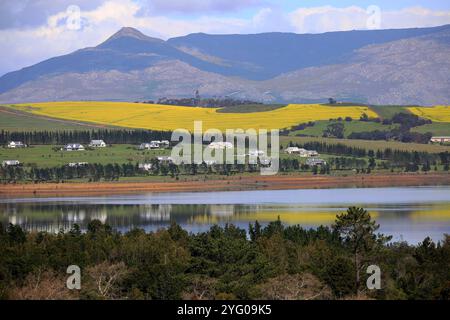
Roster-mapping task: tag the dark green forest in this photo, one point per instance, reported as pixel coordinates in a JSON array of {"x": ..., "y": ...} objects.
[{"x": 267, "y": 262}]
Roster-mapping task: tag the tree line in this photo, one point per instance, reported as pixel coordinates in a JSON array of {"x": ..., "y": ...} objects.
[
  {"x": 274, "y": 261},
  {"x": 394, "y": 156}
]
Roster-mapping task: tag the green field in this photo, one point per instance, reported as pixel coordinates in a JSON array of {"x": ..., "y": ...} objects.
[
  {"x": 436, "y": 128},
  {"x": 349, "y": 127},
  {"x": 386, "y": 112}
]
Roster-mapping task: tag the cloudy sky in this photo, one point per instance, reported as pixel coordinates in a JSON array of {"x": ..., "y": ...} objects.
[{"x": 33, "y": 30}]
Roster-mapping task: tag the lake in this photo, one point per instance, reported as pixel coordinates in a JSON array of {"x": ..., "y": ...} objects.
[{"x": 407, "y": 213}]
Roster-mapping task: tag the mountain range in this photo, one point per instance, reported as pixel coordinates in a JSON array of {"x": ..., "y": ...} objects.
[{"x": 401, "y": 66}]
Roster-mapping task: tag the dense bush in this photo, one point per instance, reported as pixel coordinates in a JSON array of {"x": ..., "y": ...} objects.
[{"x": 274, "y": 262}]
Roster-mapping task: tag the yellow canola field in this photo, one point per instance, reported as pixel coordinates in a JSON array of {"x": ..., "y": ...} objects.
[
  {"x": 164, "y": 117},
  {"x": 436, "y": 114}
]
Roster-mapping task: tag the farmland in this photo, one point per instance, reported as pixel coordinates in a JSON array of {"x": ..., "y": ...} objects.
[
  {"x": 14, "y": 120},
  {"x": 164, "y": 117},
  {"x": 45, "y": 156},
  {"x": 349, "y": 127},
  {"x": 435, "y": 114}
]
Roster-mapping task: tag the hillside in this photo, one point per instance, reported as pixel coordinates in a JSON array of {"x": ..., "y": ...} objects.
[{"x": 407, "y": 66}]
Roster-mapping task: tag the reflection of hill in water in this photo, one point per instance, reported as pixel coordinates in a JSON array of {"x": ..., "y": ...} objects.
[{"x": 52, "y": 217}]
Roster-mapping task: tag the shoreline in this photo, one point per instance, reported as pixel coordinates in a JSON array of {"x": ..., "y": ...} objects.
[{"x": 235, "y": 183}]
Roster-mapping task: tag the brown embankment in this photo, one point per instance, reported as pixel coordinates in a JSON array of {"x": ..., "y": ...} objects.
[{"x": 279, "y": 182}]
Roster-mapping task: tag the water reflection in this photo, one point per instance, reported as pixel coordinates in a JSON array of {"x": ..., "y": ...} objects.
[{"x": 418, "y": 212}]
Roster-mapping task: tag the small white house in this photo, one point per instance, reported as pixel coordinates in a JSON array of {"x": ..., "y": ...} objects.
[
  {"x": 10, "y": 163},
  {"x": 265, "y": 161},
  {"x": 149, "y": 145},
  {"x": 77, "y": 164},
  {"x": 165, "y": 143},
  {"x": 308, "y": 153},
  {"x": 73, "y": 147},
  {"x": 210, "y": 162},
  {"x": 165, "y": 159},
  {"x": 292, "y": 150},
  {"x": 97, "y": 144},
  {"x": 16, "y": 144},
  {"x": 256, "y": 153},
  {"x": 302, "y": 152},
  {"x": 315, "y": 162},
  {"x": 145, "y": 166},
  {"x": 220, "y": 145},
  {"x": 441, "y": 139}
]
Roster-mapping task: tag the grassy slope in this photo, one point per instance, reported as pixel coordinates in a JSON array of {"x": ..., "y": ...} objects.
[
  {"x": 351, "y": 126},
  {"x": 11, "y": 120},
  {"x": 436, "y": 128},
  {"x": 388, "y": 111}
]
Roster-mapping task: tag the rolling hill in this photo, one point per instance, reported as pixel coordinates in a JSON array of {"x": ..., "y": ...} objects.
[{"x": 406, "y": 66}]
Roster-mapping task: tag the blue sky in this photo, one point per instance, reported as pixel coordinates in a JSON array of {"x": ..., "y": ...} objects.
[{"x": 33, "y": 30}]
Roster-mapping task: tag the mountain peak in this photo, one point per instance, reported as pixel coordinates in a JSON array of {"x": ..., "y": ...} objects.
[{"x": 130, "y": 32}]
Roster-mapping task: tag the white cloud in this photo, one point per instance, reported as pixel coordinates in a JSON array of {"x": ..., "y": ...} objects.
[{"x": 327, "y": 18}]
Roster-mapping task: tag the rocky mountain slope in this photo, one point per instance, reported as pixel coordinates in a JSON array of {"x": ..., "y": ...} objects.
[{"x": 409, "y": 66}]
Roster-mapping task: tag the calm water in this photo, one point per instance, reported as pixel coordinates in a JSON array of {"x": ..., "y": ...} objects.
[{"x": 408, "y": 214}]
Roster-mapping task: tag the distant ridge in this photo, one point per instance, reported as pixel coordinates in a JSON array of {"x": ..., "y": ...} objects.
[{"x": 406, "y": 66}]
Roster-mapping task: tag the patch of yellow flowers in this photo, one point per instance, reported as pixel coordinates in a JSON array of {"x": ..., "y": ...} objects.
[
  {"x": 436, "y": 114},
  {"x": 164, "y": 117}
]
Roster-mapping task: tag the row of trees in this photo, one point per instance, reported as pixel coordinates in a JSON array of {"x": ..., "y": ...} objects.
[
  {"x": 113, "y": 171},
  {"x": 269, "y": 262},
  {"x": 395, "y": 157}
]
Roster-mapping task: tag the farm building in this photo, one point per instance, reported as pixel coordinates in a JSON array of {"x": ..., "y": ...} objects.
[
  {"x": 220, "y": 145},
  {"x": 77, "y": 164},
  {"x": 210, "y": 162},
  {"x": 302, "y": 152},
  {"x": 145, "y": 166},
  {"x": 292, "y": 150},
  {"x": 256, "y": 153},
  {"x": 265, "y": 161},
  {"x": 73, "y": 147},
  {"x": 165, "y": 159},
  {"x": 149, "y": 145},
  {"x": 16, "y": 144},
  {"x": 315, "y": 162},
  {"x": 97, "y": 144},
  {"x": 165, "y": 143},
  {"x": 442, "y": 139},
  {"x": 10, "y": 163}
]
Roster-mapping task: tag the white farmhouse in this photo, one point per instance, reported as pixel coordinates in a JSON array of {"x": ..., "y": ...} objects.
[
  {"x": 73, "y": 147},
  {"x": 149, "y": 145},
  {"x": 265, "y": 161},
  {"x": 315, "y": 162},
  {"x": 441, "y": 139},
  {"x": 256, "y": 153},
  {"x": 77, "y": 164},
  {"x": 220, "y": 145},
  {"x": 302, "y": 152},
  {"x": 16, "y": 144},
  {"x": 145, "y": 166},
  {"x": 165, "y": 159},
  {"x": 97, "y": 144},
  {"x": 10, "y": 163},
  {"x": 292, "y": 150}
]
